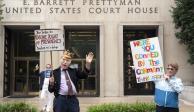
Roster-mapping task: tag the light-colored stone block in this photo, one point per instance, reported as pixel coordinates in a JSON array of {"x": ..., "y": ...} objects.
[{"x": 188, "y": 93}]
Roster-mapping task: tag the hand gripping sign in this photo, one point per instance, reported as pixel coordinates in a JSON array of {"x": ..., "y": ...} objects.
[{"x": 49, "y": 40}]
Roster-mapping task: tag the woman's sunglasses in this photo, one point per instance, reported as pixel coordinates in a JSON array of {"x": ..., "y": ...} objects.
[{"x": 170, "y": 69}]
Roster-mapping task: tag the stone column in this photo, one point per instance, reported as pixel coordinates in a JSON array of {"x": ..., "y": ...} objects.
[
  {"x": 1, "y": 60},
  {"x": 111, "y": 76}
]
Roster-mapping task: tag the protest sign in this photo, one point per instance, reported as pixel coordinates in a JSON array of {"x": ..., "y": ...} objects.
[
  {"x": 49, "y": 40},
  {"x": 147, "y": 59}
]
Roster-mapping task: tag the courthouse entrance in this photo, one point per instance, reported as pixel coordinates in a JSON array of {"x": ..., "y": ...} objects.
[
  {"x": 20, "y": 60},
  {"x": 131, "y": 87},
  {"x": 81, "y": 40}
]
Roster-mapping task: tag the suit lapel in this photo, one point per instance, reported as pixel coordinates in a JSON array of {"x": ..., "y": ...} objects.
[{"x": 59, "y": 75}]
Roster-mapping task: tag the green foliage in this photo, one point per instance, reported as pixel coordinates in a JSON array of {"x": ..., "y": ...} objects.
[
  {"x": 17, "y": 107},
  {"x": 123, "y": 107},
  {"x": 183, "y": 16}
]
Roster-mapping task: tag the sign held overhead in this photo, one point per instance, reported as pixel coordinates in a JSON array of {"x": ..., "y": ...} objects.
[{"x": 49, "y": 40}]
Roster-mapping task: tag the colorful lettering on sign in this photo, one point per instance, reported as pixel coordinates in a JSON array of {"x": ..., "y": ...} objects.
[
  {"x": 149, "y": 70},
  {"x": 147, "y": 55},
  {"x": 156, "y": 77},
  {"x": 143, "y": 79},
  {"x": 143, "y": 42},
  {"x": 148, "y": 48},
  {"x": 147, "y": 59}
]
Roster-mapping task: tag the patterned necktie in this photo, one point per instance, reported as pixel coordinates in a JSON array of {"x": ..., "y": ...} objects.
[{"x": 68, "y": 81}]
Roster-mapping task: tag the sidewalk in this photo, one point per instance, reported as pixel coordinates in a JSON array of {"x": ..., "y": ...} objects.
[{"x": 88, "y": 101}]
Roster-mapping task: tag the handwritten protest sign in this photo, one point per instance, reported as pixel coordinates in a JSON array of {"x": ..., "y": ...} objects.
[
  {"x": 49, "y": 40},
  {"x": 147, "y": 59}
]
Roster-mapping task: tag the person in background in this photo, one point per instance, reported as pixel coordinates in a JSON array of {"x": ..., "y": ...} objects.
[
  {"x": 45, "y": 96},
  {"x": 168, "y": 90},
  {"x": 64, "y": 83}
]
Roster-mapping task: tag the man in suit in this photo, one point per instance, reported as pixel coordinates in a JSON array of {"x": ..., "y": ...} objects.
[{"x": 64, "y": 83}]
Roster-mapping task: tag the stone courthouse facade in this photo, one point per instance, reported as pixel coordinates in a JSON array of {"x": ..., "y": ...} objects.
[{"x": 104, "y": 27}]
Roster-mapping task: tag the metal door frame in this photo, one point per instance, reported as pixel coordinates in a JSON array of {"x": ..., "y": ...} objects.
[
  {"x": 25, "y": 93},
  {"x": 95, "y": 28},
  {"x": 138, "y": 90}
]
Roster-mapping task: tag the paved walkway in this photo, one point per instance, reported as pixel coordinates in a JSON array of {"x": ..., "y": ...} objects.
[{"x": 88, "y": 101}]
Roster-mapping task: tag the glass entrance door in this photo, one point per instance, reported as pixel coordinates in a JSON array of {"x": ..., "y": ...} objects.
[
  {"x": 81, "y": 40},
  {"x": 131, "y": 87},
  {"x": 26, "y": 82},
  {"x": 20, "y": 61}
]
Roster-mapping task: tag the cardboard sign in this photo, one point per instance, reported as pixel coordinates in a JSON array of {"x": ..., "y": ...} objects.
[
  {"x": 49, "y": 40},
  {"x": 147, "y": 59}
]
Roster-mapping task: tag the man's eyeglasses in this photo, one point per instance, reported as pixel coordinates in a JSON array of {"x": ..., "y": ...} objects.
[{"x": 170, "y": 69}]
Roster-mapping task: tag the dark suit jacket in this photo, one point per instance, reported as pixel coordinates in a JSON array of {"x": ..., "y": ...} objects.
[{"x": 74, "y": 74}]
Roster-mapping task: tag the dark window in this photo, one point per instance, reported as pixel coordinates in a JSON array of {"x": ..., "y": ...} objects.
[
  {"x": 24, "y": 43},
  {"x": 20, "y": 60},
  {"x": 131, "y": 87},
  {"x": 81, "y": 40}
]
